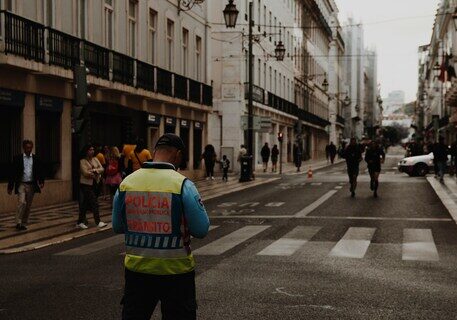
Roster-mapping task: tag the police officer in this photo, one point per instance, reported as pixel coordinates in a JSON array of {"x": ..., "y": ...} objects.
[{"x": 158, "y": 209}]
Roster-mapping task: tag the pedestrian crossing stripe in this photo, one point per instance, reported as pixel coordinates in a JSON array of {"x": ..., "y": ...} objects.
[{"x": 417, "y": 245}]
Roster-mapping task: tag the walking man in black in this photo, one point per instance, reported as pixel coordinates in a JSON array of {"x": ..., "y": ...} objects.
[
  {"x": 26, "y": 179},
  {"x": 330, "y": 151},
  {"x": 440, "y": 152},
  {"x": 353, "y": 156},
  {"x": 265, "y": 154},
  {"x": 374, "y": 156}
]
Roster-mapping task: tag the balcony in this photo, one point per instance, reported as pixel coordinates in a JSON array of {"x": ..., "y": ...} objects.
[
  {"x": 122, "y": 68},
  {"x": 64, "y": 50},
  {"x": 23, "y": 37},
  {"x": 33, "y": 41},
  {"x": 281, "y": 104},
  {"x": 340, "y": 120},
  {"x": 258, "y": 94},
  {"x": 312, "y": 118}
]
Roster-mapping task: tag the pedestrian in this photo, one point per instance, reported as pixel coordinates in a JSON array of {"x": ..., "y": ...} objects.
[
  {"x": 241, "y": 153},
  {"x": 26, "y": 179},
  {"x": 159, "y": 210},
  {"x": 91, "y": 171},
  {"x": 265, "y": 154},
  {"x": 138, "y": 156},
  {"x": 274, "y": 158},
  {"x": 297, "y": 156},
  {"x": 209, "y": 155},
  {"x": 374, "y": 156},
  {"x": 440, "y": 153},
  {"x": 330, "y": 151},
  {"x": 353, "y": 155},
  {"x": 225, "y": 167},
  {"x": 453, "y": 153},
  {"x": 113, "y": 172},
  {"x": 100, "y": 153}
]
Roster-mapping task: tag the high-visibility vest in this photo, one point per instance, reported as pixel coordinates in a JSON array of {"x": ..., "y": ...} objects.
[{"x": 156, "y": 236}]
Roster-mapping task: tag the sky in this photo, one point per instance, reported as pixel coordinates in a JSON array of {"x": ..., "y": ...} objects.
[{"x": 396, "y": 28}]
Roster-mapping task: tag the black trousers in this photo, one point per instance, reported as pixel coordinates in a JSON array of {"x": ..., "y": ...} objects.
[
  {"x": 209, "y": 166},
  {"x": 176, "y": 294},
  {"x": 88, "y": 200},
  {"x": 225, "y": 175}
]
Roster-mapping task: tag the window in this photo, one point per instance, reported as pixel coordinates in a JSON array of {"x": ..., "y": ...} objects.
[
  {"x": 276, "y": 30},
  {"x": 82, "y": 18},
  {"x": 259, "y": 72},
  {"x": 259, "y": 14},
  {"x": 132, "y": 27},
  {"x": 265, "y": 75},
  {"x": 271, "y": 24},
  {"x": 185, "y": 50},
  {"x": 109, "y": 24},
  {"x": 198, "y": 56},
  {"x": 275, "y": 83},
  {"x": 170, "y": 44},
  {"x": 10, "y": 138},
  {"x": 270, "y": 74},
  {"x": 9, "y": 5},
  {"x": 152, "y": 35}
]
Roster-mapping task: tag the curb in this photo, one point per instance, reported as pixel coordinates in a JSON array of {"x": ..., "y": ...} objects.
[{"x": 444, "y": 193}]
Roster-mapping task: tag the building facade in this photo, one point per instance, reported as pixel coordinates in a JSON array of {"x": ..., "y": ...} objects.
[
  {"x": 372, "y": 112},
  {"x": 149, "y": 73},
  {"x": 355, "y": 76}
]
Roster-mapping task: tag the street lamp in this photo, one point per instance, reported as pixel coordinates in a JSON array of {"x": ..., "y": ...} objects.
[
  {"x": 230, "y": 15},
  {"x": 325, "y": 84},
  {"x": 347, "y": 101},
  {"x": 454, "y": 18},
  {"x": 280, "y": 51}
]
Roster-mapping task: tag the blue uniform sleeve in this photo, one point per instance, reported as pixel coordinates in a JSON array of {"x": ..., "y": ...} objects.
[
  {"x": 118, "y": 212},
  {"x": 194, "y": 211}
]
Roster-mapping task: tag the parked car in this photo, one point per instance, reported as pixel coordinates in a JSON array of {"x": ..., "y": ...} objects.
[{"x": 419, "y": 165}]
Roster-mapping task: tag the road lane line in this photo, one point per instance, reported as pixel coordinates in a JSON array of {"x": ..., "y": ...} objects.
[
  {"x": 274, "y": 204},
  {"x": 230, "y": 241},
  {"x": 94, "y": 246},
  {"x": 313, "y": 206},
  {"x": 291, "y": 242},
  {"x": 418, "y": 245},
  {"x": 276, "y": 216},
  {"x": 354, "y": 243}
]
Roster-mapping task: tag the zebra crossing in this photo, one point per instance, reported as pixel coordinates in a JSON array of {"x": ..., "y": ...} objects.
[{"x": 417, "y": 245}]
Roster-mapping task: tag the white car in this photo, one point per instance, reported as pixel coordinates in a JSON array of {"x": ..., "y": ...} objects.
[{"x": 418, "y": 165}]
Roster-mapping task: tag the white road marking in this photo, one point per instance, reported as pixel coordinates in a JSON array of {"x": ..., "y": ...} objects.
[
  {"x": 291, "y": 242},
  {"x": 338, "y": 187},
  {"x": 230, "y": 241},
  {"x": 330, "y": 218},
  {"x": 227, "y": 204},
  {"x": 354, "y": 243},
  {"x": 282, "y": 291},
  {"x": 249, "y": 204},
  {"x": 316, "y": 183},
  {"x": 313, "y": 206},
  {"x": 94, "y": 246},
  {"x": 418, "y": 244},
  {"x": 274, "y": 204}
]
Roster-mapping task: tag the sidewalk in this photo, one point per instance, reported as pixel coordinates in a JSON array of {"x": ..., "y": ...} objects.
[
  {"x": 291, "y": 169},
  {"x": 57, "y": 223},
  {"x": 447, "y": 192}
]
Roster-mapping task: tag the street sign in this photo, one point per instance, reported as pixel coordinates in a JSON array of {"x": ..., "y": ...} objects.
[{"x": 259, "y": 124}]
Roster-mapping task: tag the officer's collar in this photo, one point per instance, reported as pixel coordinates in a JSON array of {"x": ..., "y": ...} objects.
[{"x": 158, "y": 165}]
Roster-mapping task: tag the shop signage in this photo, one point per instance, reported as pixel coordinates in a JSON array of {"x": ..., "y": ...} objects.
[
  {"x": 198, "y": 125},
  {"x": 11, "y": 98},
  {"x": 154, "y": 120},
  {"x": 185, "y": 123},
  {"x": 171, "y": 122},
  {"x": 48, "y": 103}
]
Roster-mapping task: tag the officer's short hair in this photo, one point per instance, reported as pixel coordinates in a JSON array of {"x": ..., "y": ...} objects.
[{"x": 26, "y": 142}]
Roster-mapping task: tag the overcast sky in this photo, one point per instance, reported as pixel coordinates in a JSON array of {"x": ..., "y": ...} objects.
[{"x": 396, "y": 28}]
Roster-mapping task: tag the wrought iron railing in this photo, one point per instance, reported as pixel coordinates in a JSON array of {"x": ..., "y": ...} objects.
[
  {"x": 96, "y": 59},
  {"x": 164, "y": 82},
  {"x": 207, "y": 95},
  {"x": 23, "y": 37},
  {"x": 181, "y": 87},
  {"x": 64, "y": 49},
  {"x": 145, "y": 76},
  {"x": 28, "y": 39},
  {"x": 123, "y": 68},
  {"x": 195, "y": 94}
]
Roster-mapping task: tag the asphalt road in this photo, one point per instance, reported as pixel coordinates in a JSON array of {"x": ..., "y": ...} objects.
[{"x": 296, "y": 248}]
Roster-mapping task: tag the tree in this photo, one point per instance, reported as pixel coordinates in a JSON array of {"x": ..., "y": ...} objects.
[{"x": 395, "y": 133}]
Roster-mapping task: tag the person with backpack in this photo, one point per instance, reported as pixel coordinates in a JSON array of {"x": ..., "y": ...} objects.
[
  {"x": 113, "y": 172},
  {"x": 265, "y": 154}
]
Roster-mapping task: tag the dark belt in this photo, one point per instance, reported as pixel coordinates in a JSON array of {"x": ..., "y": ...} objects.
[{"x": 28, "y": 182}]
